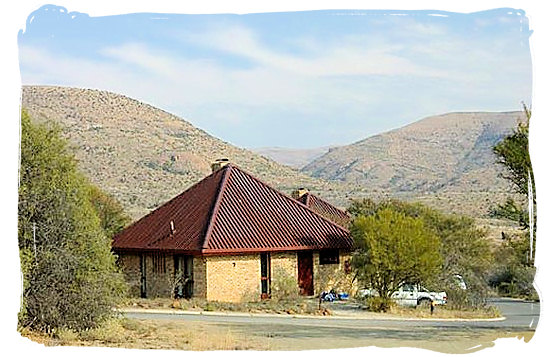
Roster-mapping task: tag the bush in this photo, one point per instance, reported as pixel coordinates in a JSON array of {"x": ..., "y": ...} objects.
[
  {"x": 379, "y": 304},
  {"x": 284, "y": 285},
  {"x": 70, "y": 280}
]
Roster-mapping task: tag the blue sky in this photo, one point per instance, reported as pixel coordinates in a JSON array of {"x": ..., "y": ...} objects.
[{"x": 295, "y": 79}]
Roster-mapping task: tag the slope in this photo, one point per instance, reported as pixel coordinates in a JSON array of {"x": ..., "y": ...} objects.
[{"x": 140, "y": 154}]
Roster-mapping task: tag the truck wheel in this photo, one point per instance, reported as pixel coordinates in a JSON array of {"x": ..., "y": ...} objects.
[{"x": 424, "y": 302}]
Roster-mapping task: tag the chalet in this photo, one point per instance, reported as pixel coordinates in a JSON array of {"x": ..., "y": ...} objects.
[{"x": 231, "y": 237}]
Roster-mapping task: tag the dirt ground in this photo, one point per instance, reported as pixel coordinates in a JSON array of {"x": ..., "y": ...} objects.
[{"x": 185, "y": 335}]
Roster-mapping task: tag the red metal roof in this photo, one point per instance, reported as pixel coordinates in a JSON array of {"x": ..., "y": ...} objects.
[
  {"x": 325, "y": 209},
  {"x": 230, "y": 211}
]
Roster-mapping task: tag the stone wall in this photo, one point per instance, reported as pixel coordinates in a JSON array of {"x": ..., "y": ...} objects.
[
  {"x": 200, "y": 277},
  {"x": 131, "y": 267},
  {"x": 160, "y": 273},
  {"x": 233, "y": 278},
  {"x": 333, "y": 276}
]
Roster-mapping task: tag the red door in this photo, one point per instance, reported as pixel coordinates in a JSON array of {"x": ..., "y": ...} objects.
[{"x": 305, "y": 273}]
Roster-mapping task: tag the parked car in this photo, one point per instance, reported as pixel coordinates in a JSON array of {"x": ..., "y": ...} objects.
[{"x": 412, "y": 295}]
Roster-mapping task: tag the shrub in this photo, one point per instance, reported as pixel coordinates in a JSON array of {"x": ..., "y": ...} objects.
[
  {"x": 284, "y": 285},
  {"x": 70, "y": 280},
  {"x": 379, "y": 304}
]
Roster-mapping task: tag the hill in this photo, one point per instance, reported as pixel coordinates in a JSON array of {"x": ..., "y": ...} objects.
[
  {"x": 443, "y": 160},
  {"x": 295, "y": 158},
  {"x": 143, "y": 155}
]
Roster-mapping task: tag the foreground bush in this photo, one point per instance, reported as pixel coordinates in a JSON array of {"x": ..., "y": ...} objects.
[{"x": 70, "y": 280}]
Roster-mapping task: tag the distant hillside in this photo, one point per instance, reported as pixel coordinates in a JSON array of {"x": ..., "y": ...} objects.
[
  {"x": 141, "y": 154},
  {"x": 144, "y": 156},
  {"x": 295, "y": 158},
  {"x": 447, "y": 152},
  {"x": 445, "y": 161}
]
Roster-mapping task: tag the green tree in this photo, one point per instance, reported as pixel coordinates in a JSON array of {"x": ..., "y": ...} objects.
[
  {"x": 513, "y": 154},
  {"x": 514, "y": 271},
  {"x": 111, "y": 214},
  {"x": 465, "y": 248},
  {"x": 393, "y": 248},
  {"x": 69, "y": 274}
]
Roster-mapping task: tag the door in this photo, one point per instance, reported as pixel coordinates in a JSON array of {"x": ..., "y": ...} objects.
[
  {"x": 184, "y": 276},
  {"x": 305, "y": 273},
  {"x": 265, "y": 277}
]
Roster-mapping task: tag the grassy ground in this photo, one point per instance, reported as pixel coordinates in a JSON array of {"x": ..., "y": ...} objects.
[
  {"x": 301, "y": 305},
  {"x": 309, "y": 306},
  {"x": 146, "y": 334},
  {"x": 445, "y": 312}
]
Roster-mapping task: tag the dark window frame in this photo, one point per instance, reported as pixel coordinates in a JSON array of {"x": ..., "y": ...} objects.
[{"x": 329, "y": 256}]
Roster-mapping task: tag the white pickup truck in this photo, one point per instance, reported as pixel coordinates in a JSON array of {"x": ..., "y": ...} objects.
[{"x": 412, "y": 295}]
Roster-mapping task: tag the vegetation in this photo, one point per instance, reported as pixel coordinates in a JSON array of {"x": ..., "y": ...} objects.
[
  {"x": 284, "y": 285},
  {"x": 464, "y": 248},
  {"x": 514, "y": 270},
  {"x": 393, "y": 248},
  {"x": 299, "y": 305},
  {"x": 69, "y": 275},
  {"x": 157, "y": 334}
]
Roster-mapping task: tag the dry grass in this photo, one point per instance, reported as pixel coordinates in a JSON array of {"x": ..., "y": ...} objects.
[
  {"x": 145, "y": 334},
  {"x": 300, "y": 305},
  {"x": 442, "y": 312}
]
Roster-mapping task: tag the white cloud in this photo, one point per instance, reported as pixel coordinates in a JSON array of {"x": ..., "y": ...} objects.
[
  {"x": 344, "y": 58},
  {"x": 323, "y": 82}
]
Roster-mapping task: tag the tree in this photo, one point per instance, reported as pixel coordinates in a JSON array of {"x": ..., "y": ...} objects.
[
  {"x": 465, "y": 248},
  {"x": 513, "y": 154},
  {"x": 111, "y": 214},
  {"x": 69, "y": 274},
  {"x": 514, "y": 269},
  {"x": 393, "y": 248}
]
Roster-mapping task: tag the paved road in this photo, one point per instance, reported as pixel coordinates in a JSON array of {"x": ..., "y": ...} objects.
[
  {"x": 521, "y": 318},
  {"x": 519, "y": 315}
]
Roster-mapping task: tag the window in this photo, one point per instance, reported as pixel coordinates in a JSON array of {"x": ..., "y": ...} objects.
[
  {"x": 158, "y": 263},
  {"x": 329, "y": 257}
]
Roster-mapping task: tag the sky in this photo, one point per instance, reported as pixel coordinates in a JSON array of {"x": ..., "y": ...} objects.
[{"x": 290, "y": 79}]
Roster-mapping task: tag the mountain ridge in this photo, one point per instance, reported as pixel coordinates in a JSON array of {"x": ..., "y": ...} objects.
[
  {"x": 140, "y": 154},
  {"x": 424, "y": 156}
]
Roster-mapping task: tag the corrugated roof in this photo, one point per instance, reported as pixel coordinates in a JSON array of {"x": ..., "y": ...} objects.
[
  {"x": 231, "y": 211},
  {"x": 325, "y": 209}
]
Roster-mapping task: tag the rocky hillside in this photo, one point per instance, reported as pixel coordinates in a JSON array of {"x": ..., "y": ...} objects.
[
  {"x": 295, "y": 158},
  {"x": 143, "y": 155},
  {"x": 450, "y": 153}
]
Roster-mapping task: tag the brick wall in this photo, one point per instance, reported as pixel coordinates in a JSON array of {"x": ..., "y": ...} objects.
[
  {"x": 284, "y": 274},
  {"x": 233, "y": 278}
]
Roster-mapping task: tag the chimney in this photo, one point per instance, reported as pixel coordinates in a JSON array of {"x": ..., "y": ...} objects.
[
  {"x": 219, "y": 163},
  {"x": 296, "y": 194}
]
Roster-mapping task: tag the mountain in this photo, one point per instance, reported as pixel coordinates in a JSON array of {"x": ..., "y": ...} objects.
[
  {"x": 443, "y": 160},
  {"x": 295, "y": 158},
  {"x": 143, "y": 155}
]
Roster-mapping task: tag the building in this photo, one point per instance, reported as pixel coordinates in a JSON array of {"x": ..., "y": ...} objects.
[
  {"x": 322, "y": 207},
  {"x": 231, "y": 237}
]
